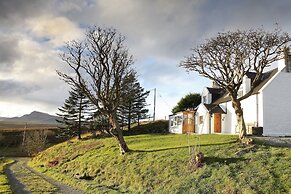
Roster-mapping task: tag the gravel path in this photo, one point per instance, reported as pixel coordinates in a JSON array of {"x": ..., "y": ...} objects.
[
  {"x": 14, "y": 174},
  {"x": 276, "y": 141}
]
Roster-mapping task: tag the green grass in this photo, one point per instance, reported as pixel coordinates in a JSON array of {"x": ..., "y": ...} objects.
[
  {"x": 30, "y": 181},
  {"x": 158, "y": 164},
  {"x": 4, "y": 185}
]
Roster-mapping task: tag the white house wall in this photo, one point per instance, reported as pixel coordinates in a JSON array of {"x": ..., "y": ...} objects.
[
  {"x": 277, "y": 105},
  {"x": 205, "y": 93},
  {"x": 202, "y": 128},
  {"x": 250, "y": 110},
  {"x": 228, "y": 120},
  {"x": 227, "y": 124}
]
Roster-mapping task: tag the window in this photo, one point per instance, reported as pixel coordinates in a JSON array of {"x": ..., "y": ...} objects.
[
  {"x": 172, "y": 122},
  {"x": 185, "y": 119},
  {"x": 179, "y": 120},
  {"x": 200, "y": 119},
  {"x": 190, "y": 119}
]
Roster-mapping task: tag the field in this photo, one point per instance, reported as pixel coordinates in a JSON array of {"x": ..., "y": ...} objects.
[
  {"x": 6, "y": 126},
  {"x": 158, "y": 164}
]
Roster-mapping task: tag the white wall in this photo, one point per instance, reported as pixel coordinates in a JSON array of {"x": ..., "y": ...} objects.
[
  {"x": 249, "y": 106},
  {"x": 202, "y": 128},
  {"x": 206, "y": 93},
  {"x": 229, "y": 123},
  {"x": 277, "y": 105},
  {"x": 246, "y": 85},
  {"x": 228, "y": 120}
]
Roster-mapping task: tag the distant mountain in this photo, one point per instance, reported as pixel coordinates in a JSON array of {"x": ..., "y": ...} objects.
[
  {"x": 35, "y": 117},
  {"x": 3, "y": 118}
]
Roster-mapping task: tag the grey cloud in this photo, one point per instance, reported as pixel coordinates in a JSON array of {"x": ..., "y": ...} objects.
[
  {"x": 15, "y": 89},
  {"x": 9, "y": 52},
  {"x": 15, "y": 11}
]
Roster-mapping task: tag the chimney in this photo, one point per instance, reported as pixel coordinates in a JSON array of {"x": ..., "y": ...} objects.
[{"x": 214, "y": 84}]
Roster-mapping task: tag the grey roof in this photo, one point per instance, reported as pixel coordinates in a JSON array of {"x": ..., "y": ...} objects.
[
  {"x": 265, "y": 79},
  {"x": 216, "y": 93},
  {"x": 214, "y": 108}
]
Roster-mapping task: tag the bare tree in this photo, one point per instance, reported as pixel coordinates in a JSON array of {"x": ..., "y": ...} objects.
[
  {"x": 227, "y": 58},
  {"x": 34, "y": 141},
  {"x": 101, "y": 63}
]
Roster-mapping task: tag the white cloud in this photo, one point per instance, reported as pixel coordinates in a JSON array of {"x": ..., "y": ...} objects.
[{"x": 56, "y": 30}]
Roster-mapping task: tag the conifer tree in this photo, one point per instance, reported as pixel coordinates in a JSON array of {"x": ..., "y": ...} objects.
[
  {"x": 134, "y": 102},
  {"x": 74, "y": 114}
]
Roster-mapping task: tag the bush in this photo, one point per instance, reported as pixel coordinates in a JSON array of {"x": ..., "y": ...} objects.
[{"x": 160, "y": 126}]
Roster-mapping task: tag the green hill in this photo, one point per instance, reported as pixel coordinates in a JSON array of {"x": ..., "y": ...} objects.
[{"x": 158, "y": 164}]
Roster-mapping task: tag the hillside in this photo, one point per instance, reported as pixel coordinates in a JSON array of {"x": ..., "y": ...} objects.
[
  {"x": 34, "y": 117},
  {"x": 158, "y": 164}
]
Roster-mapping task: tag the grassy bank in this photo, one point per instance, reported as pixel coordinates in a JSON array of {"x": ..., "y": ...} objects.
[
  {"x": 158, "y": 163},
  {"x": 4, "y": 185}
]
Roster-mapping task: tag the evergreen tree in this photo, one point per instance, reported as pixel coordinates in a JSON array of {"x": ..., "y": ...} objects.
[
  {"x": 75, "y": 113},
  {"x": 133, "y": 105},
  {"x": 189, "y": 101}
]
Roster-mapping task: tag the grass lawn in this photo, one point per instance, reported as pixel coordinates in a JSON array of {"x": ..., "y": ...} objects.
[
  {"x": 4, "y": 185},
  {"x": 158, "y": 164}
]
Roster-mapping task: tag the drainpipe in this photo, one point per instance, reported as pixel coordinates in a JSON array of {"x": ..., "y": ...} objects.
[
  {"x": 257, "y": 111},
  {"x": 210, "y": 115}
]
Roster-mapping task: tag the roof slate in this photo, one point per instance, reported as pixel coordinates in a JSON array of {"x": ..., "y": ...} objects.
[{"x": 265, "y": 79}]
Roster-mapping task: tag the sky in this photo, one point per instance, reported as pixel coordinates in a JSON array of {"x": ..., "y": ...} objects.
[{"x": 159, "y": 35}]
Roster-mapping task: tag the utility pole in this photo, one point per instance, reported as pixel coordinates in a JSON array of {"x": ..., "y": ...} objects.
[{"x": 154, "y": 116}]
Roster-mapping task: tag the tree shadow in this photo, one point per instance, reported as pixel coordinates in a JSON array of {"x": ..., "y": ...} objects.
[
  {"x": 180, "y": 147},
  {"x": 212, "y": 160}
]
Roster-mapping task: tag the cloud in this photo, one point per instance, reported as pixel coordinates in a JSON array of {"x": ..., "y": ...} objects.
[
  {"x": 14, "y": 12},
  {"x": 11, "y": 88},
  {"x": 9, "y": 52},
  {"x": 56, "y": 30},
  {"x": 159, "y": 34}
]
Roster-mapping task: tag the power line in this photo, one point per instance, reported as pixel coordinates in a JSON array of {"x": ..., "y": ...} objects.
[{"x": 164, "y": 101}]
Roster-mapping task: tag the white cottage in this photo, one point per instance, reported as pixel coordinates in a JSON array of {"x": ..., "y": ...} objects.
[{"x": 268, "y": 107}]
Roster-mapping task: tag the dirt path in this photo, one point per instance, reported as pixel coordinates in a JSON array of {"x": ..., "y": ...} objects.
[{"x": 21, "y": 176}]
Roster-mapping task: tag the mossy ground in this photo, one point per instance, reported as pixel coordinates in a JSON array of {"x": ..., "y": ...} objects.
[
  {"x": 4, "y": 185},
  {"x": 157, "y": 163}
]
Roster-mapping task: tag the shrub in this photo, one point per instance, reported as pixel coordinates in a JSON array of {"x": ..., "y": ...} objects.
[{"x": 160, "y": 126}]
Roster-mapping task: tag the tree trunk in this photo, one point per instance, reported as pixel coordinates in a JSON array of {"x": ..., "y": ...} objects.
[
  {"x": 129, "y": 118},
  {"x": 240, "y": 119},
  {"x": 79, "y": 119},
  {"x": 129, "y": 121},
  {"x": 116, "y": 132}
]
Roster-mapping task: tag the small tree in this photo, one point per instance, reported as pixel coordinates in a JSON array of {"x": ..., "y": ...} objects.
[
  {"x": 74, "y": 114},
  {"x": 227, "y": 58},
  {"x": 100, "y": 65},
  {"x": 34, "y": 141},
  {"x": 189, "y": 101}
]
